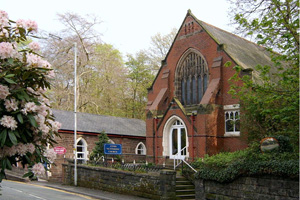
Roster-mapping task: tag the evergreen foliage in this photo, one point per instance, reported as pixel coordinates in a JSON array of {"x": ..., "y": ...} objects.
[{"x": 98, "y": 150}]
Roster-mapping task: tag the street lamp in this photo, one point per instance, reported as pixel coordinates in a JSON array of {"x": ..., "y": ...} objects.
[{"x": 75, "y": 113}]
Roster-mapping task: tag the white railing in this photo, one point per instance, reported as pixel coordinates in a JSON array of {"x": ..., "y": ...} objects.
[{"x": 178, "y": 159}]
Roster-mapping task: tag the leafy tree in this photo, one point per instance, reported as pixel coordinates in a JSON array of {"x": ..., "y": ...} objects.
[
  {"x": 270, "y": 102},
  {"x": 108, "y": 82},
  {"x": 98, "y": 150},
  {"x": 272, "y": 23},
  {"x": 59, "y": 50},
  {"x": 102, "y": 77},
  {"x": 139, "y": 79},
  {"x": 27, "y": 125},
  {"x": 160, "y": 45}
]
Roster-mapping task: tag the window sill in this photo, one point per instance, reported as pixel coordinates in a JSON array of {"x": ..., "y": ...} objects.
[{"x": 232, "y": 134}]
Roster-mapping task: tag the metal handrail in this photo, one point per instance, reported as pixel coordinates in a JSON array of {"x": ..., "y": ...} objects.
[
  {"x": 181, "y": 160},
  {"x": 176, "y": 160}
]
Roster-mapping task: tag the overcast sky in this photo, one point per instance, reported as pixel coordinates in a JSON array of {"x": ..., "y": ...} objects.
[{"x": 126, "y": 24}]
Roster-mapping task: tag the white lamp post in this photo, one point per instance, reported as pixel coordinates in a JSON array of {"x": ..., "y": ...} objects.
[{"x": 75, "y": 113}]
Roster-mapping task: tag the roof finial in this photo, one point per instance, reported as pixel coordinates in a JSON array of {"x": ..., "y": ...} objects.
[{"x": 189, "y": 11}]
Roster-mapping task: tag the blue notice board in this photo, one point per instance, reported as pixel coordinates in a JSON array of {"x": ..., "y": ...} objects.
[{"x": 114, "y": 149}]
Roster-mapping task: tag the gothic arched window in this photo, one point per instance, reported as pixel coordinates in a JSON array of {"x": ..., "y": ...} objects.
[
  {"x": 191, "y": 78},
  {"x": 82, "y": 152}
]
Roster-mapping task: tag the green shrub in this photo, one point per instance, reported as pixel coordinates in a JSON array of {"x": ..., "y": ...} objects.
[{"x": 225, "y": 167}]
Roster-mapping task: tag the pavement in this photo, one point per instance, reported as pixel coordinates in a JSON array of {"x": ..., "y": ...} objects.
[{"x": 93, "y": 193}]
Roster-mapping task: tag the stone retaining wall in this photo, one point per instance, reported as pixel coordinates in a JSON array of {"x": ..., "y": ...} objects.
[
  {"x": 162, "y": 185},
  {"x": 153, "y": 185},
  {"x": 266, "y": 187}
]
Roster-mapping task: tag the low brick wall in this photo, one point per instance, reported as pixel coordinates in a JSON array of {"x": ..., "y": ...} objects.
[
  {"x": 266, "y": 187},
  {"x": 153, "y": 185}
]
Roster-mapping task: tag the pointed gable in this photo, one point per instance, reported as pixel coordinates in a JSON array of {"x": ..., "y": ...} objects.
[{"x": 245, "y": 53}]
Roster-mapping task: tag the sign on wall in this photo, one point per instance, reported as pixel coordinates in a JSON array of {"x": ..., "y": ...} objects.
[
  {"x": 60, "y": 150},
  {"x": 113, "y": 149}
]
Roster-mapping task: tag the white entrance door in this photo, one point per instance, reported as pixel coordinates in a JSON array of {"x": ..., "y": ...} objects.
[{"x": 177, "y": 141}]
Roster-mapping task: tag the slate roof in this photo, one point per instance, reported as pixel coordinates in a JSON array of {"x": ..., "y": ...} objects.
[
  {"x": 97, "y": 123},
  {"x": 245, "y": 53}
]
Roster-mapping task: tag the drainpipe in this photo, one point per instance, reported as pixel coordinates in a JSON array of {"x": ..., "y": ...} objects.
[
  {"x": 192, "y": 128},
  {"x": 156, "y": 138},
  {"x": 153, "y": 142}
]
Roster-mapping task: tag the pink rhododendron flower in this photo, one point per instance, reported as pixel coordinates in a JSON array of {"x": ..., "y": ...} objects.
[
  {"x": 30, "y": 147},
  {"x": 56, "y": 126},
  {"x": 9, "y": 151},
  {"x": 42, "y": 109},
  {"x": 8, "y": 122},
  {"x": 44, "y": 64},
  {"x": 4, "y": 32},
  {"x": 34, "y": 46},
  {"x": 50, "y": 154},
  {"x": 38, "y": 169},
  {"x": 7, "y": 50},
  {"x": 11, "y": 105},
  {"x": 45, "y": 129},
  {"x": 4, "y": 91},
  {"x": 29, "y": 107},
  {"x": 21, "y": 23},
  {"x": 3, "y": 18},
  {"x": 40, "y": 119},
  {"x": 21, "y": 149},
  {"x": 32, "y": 26},
  {"x": 33, "y": 60}
]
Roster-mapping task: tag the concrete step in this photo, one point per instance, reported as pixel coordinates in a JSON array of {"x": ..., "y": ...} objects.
[
  {"x": 192, "y": 196},
  {"x": 183, "y": 182},
  {"x": 184, "y": 188},
  {"x": 185, "y": 192}
]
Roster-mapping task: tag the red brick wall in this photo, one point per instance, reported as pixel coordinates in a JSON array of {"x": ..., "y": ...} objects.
[{"x": 67, "y": 140}]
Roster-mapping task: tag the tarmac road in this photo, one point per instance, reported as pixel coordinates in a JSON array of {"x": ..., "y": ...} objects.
[
  {"x": 12, "y": 190},
  {"x": 43, "y": 190}
]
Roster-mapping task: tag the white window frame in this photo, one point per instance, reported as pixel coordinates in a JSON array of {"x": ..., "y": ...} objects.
[
  {"x": 231, "y": 109},
  {"x": 144, "y": 150},
  {"x": 84, "y": 150}
]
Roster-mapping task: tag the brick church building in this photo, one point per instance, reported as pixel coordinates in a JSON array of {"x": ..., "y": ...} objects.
[{"x": 189, "y": 111}]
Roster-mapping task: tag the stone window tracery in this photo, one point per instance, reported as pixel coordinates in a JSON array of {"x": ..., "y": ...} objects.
[
  {"x": 191, "y": 78},
  {"x": 232, "y": 120}
]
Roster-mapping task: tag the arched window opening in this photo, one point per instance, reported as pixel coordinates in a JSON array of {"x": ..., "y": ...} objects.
[
  {"x": 81, "y": 148},
  {"x": 191, "y": 78},
  {"x": 175, "y": 139},
  {"x": 140, "y": 149},
  {"x": 111, "y": 141},
  {"x": 178, "y": 138}
]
